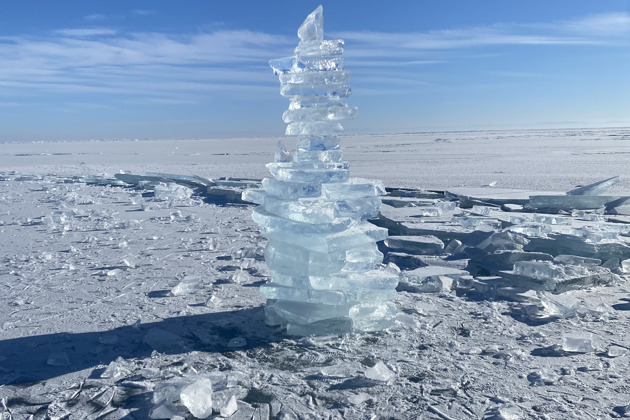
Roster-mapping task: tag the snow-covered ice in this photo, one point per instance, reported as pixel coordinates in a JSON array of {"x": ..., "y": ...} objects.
[{"x": 90, "y": 277}]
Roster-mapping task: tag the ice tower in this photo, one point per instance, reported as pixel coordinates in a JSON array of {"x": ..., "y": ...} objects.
[{"x": 326, "y": 272}]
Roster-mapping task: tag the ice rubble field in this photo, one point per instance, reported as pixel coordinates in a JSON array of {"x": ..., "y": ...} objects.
[{"x": 129, "y": 300}]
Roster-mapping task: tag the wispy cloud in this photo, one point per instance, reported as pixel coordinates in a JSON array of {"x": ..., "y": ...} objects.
[
  {"x": 183, "y": 68},
  {"x": 603, "y": 29},
  {"x": 602, "y": 25},
  {"x": 143, "y": 12},
  {"x": 85, "y": 32},
  {"x": 95, "y": 17},
  {"x": 171, "y": 68}
]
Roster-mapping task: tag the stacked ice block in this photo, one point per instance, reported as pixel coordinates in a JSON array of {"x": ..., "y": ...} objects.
[{"x": 326, "y": 268}]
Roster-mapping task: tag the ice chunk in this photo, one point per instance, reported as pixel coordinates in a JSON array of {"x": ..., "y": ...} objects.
[
  {"x": 189, "y": 286},
  {"x": 596, "y": 188},
  {"x": 342, "y": 281},
  {"x": 415, "y": 244},
  {"x": 165, "y": 410},
  {"x": 229, "y": 408},
  {"x": 282, "y": 154},
  {"x": 616, "y": 351},
  {"x": 325, "y": 297},
  {"x": 289, "y": 173},
  {"x": 304, "y": 235},
  {"x": 296, "y": 261},
  {"x": 578, "y": 343},
  {"x": 319, "y": 142},
  {"x": 423, "y": 273},
  {"x": 555, "y": 203},
  {"x": 271, "y": 224},
  {"x": 197, "y": 398},
  {"x": 172, "y": 192},
  {"x": 547, "y": 275},
  {"x": 531, "y": 229},
  {"x": 547, "y": 306},
  {"x": 556, "y": 244},
  {"x": 453, "y": 247},
  {"x": 620, "y": 206},
  {"x": 595, "y": 234},
  {"x": 481, "y": 223},
  {"x": 552, "y": 220},
  {"x": 380, "y": 372},
  {"x": 254, "y": 196},
  {"x": 354, "y": 188},
  {"x": 240, "y": 276},
  {"x": 305, "y": 210},
  {"x": 290, "y": 190},
  {"x": 482, "y": 210},
  {"x": 372, "y": 316},
  {"x": 544, "y": 270},
  {"x": 312, "y": 29},
  {"x": 317, "y": 157},
  {"x": 305, "y": 313},
  {"x": 576, "y": 260},
  {"x": 117, "y": 369},
  {"x": 504, "y": 412}
]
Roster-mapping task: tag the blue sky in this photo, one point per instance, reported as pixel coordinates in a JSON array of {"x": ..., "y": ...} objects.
[{"x": 80, "y": 69}]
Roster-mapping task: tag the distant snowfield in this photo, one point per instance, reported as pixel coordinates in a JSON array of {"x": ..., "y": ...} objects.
[
  {"x": 546, "y": 160},
  {"x": 112, "y": 299}
]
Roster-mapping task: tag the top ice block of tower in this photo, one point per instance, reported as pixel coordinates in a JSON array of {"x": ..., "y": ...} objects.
[{"x": 326, "y": 272}]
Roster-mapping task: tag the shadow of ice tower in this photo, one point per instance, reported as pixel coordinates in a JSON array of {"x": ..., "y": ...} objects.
[{"x": 41, "y": 357}]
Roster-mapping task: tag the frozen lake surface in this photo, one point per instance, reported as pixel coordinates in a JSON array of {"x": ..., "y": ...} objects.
[
  {"x": 115, "y": 298},
  {"x": 552, "y": 160}
]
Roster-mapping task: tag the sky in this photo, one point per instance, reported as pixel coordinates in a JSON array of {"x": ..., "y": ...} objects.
[{"x": 160, "y": 69}]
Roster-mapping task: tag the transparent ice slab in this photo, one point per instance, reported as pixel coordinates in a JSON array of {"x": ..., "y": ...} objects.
[
  {"x": 332, "y": 113},
  {"x": 596, "y": 188},
  {"x": 336, "y": 90},
  {"x": 296, "y": 261},
  {"x": 272, "y": 225},
  {"x": 284, "y": 172},
  {"x": 315, "y": 157},
  {"x": 312, "y": 29},
  {"x": 322, "y": 128},
  {"x": 318, "y": 143},
  {"x": 305, "y": 210},
  {"x": 568, "y": 202},
  {"x": 325, "y": 297},
  {"x": 353, "y": 188},
  {"x": 557, "y": 278},
  {"x": 321, "y": 48},
  {"x": 343, "y": 281},
  {"x": 372, "y": 317},
  {"x": 290, "y": 190},
  {"x": 306, "y": 63},
  {"x": 316, "y": 79},
  {"x": 358, "y": 235},
  {"x": 305, "y": 313}
]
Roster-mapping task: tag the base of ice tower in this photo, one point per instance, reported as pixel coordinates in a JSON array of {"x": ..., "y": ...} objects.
[{"x": 302, "y": 319}]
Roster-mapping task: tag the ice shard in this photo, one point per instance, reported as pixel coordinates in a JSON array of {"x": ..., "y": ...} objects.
[
  {"x": 597, "y": 188},
  {"x": 326, "y": 270},
  {"x": 587, "y": 197}
]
